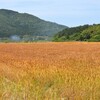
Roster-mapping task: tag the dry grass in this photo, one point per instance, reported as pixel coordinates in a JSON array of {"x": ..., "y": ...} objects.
[{"x": 50, "y": 71}]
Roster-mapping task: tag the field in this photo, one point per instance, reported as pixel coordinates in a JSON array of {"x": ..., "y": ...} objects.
[{"x": 50, "y": 71}]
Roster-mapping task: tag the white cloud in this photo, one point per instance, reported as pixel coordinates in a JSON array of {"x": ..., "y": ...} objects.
[{"x": 78, "y": 10}]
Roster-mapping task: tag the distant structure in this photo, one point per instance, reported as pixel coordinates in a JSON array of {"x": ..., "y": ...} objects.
[{"x": 15, "y": 38}]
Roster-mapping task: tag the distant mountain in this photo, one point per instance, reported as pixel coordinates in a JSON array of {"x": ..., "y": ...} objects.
[
  {"x": 81, "y": 33},
  {"x": 23, "y": 24}
]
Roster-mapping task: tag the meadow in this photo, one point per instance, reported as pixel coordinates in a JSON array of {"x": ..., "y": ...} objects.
[{"x": 50, "y": 71}]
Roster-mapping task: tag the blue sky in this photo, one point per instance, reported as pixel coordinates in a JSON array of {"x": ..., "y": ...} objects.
[{"x": 66, "y": 12}]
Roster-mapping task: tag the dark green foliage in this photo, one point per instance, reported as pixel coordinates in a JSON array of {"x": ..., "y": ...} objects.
[
  {"x": 14, "y": 23},
  {"x": 81, "y": 33}
]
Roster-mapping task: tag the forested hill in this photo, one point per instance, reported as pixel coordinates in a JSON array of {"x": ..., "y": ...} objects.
[
  {"x": 81, "y": 33},
  {"x": 22, "y": 24}
]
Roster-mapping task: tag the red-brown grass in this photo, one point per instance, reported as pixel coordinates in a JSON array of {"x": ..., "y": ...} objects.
[{"x": 50, "y": 71}]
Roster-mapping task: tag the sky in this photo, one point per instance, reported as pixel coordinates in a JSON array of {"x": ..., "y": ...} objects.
[{"x": 66, "y": 12}]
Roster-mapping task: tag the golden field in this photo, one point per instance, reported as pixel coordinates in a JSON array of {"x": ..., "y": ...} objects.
[{"x": 50, "y": 71}]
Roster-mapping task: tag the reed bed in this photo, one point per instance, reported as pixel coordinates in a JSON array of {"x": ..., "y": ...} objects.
[{"x": 50, "y": 71}]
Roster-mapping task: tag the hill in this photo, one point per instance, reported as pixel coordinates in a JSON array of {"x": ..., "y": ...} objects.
[
  {"x": 25, "y": 25},
  {"x": 81, "y": 33}
]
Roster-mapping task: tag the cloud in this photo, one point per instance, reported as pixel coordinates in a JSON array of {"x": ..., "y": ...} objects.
[{"x": 63, "y": 11}]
